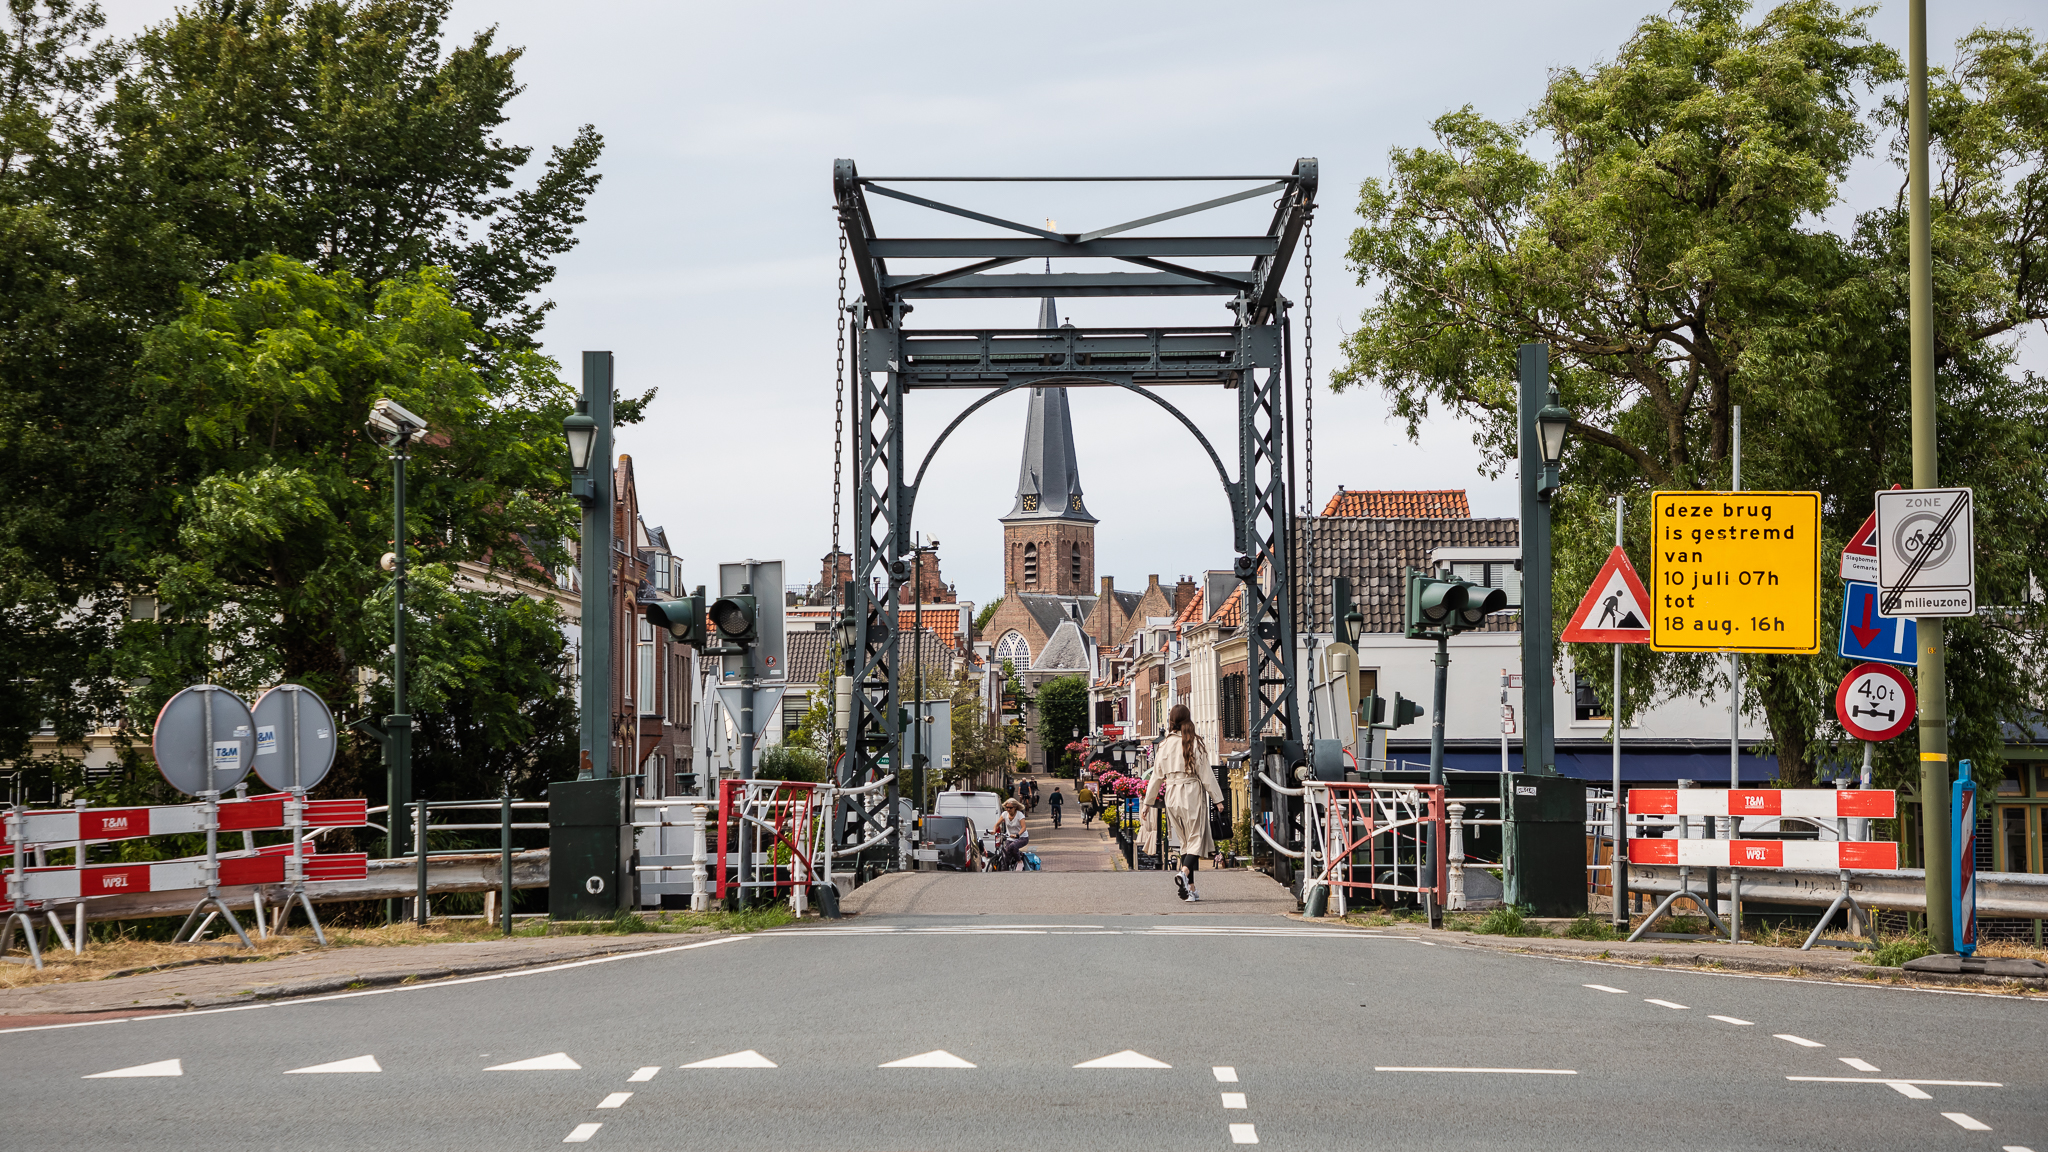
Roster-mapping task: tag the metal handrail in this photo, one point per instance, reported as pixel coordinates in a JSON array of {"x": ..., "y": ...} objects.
[{"x": 1275, "y": 845}]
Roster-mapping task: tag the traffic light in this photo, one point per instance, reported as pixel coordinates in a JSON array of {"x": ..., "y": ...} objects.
[
  {"x": 734, "y": 617},
  {"x": 1373, "y": 711},
  {"x": 1440, "y": 606},
  {"x": 683, "y": 618}
]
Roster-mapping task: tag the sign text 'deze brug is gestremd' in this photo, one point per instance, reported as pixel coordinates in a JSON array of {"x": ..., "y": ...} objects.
[{"x": 1735, "y": 572}]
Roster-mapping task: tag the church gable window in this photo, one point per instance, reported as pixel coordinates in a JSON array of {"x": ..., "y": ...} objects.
[
  {"x": 1031, "y": 563},
  {"x": 1012, "y": 648}
]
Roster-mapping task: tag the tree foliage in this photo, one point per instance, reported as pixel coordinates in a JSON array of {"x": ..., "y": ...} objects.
[
  {"x": 1062, "y": 709},
  {"x": 219, "y": 242},
  {"x": 1657, "y": 220}
]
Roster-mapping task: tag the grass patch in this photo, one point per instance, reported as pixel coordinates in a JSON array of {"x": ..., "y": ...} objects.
[
  {"x": 1899, "y": 949},
  {"x": 1507, "y": 921},
  {"x": 1591, "y": 927}
]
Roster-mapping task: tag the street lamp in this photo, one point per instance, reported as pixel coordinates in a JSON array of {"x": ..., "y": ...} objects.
[
  {"x": 1551, "y": 424},
  {"x": 396, "y": 427},
  {"x": 580, "y": 430}
]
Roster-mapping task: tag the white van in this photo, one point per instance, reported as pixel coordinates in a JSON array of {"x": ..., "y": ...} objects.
[{"x": 984, "y": 808}]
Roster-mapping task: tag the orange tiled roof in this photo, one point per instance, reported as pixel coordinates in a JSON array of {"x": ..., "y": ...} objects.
[
  {"x": 1231, "y": 615},
  {"x": 945, "y": 622},
  {"x": 1428, "y": 504}
]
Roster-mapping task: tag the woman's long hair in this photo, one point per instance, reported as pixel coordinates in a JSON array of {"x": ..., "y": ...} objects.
[{"x": 1183, "y": 726}]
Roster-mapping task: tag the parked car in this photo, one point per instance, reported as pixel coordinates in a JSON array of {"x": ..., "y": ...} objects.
[{"x": 950, "y": 844}]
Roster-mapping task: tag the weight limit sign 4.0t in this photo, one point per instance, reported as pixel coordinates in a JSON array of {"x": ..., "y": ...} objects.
[{"x": 1735, "y": 572}]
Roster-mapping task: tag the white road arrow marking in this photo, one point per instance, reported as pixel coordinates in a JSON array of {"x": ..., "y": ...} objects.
[
  {"x": 939, "y": 1058},
  {"x": 1123, "y": 1059},
  {"x": 160, "y": 1068},
  {"x": 558, "y": 1062},
  {"x": 359, "y": 1064},
  {"x": 747, "y": 1059}
]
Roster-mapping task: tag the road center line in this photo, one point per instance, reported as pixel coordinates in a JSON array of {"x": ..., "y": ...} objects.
[
  {"x": 1605, "y": 988},
  {"x": 1667, "y": 1004},
  {"x": 1802, "y": 1041},
  {"x": 1733, "y": 1020}
]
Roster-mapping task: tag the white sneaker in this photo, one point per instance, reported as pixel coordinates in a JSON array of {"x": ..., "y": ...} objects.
[{"x": 1194, "y": 897}]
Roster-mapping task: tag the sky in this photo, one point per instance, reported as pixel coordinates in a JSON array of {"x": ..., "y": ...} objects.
[{"x": 708, "y": 262}]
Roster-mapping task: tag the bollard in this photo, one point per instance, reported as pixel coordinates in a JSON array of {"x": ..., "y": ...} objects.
[{"x": 1456, "y": 863}]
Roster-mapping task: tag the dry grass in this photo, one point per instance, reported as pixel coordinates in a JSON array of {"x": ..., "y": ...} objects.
[{"x": 126, "y": 955}]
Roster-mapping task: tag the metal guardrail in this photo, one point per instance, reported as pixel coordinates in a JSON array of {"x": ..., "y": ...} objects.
[{"x": 2019, "y": 894}]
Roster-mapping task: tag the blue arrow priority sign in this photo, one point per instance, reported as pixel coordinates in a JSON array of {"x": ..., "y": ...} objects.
[{"x": 1869, "y": 636}]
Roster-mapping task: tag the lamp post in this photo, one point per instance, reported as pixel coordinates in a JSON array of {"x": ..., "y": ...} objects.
[
  {"x": 589, "y": 433},
  {"x": 917, "y": 741},
  {"x": 396, "y": 428},
  {"x": 1543, "y": 425}
]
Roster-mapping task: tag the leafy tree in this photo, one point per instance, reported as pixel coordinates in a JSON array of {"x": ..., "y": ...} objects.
[
  {"x": 981, "y": 743},
  {"x": 987, "y": 613},
  {"x": 1656, "y": 221},
  {"x": 1062, "y": 708}
]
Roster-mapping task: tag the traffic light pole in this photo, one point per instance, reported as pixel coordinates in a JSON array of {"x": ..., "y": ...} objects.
[
  {"x": 597, "y": 575},
  {"x": 1933, "y": 685}
]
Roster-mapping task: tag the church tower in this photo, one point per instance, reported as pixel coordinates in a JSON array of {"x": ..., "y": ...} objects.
[{"x": 1049, "y": 537}]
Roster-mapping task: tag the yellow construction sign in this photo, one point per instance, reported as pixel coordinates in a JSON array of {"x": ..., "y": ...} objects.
[{"x": 1735, "y": 572}]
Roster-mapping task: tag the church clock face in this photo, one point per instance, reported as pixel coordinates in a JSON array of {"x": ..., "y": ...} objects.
[
  {"x": 1074, "y": 503},
  {"x": 1031, "y": 502}
]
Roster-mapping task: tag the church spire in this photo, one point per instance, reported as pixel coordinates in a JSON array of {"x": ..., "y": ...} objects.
[{"x": 1049, "y": 479}]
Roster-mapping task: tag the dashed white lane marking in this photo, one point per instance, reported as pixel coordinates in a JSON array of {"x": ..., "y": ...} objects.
[
  {"x": 1733, "y": 1020},
  {"x": 359, "y": 1064},
  {"x": 1909, "y": 1092},
  {"x": 1605, "y": 988},
  {"x": 580, "y": 1133},
  {"x": 937, "y": 1058},
  {"x": 1123, "y": 1059},
  {"x": 1234, "y": 1100},
  {"x": 1225, "y": 1075},
  {"x": 1668, "y": 1004},
  {"x": 557, "y": 1062},
  {"x": 1243, "y": 1134},
  {"x": 1858, "y": 1064},
  {"x": 1896, "y": 1080},
  {"x": 1802, "y": 1041},
  {"x": 1505, "y": 1071},
  {"x": 615, "y": 1100},
  {"x": 747, "y": 1059},
  {"x": 643, "y": 1075},
  {"x": 2016, "y": 1148},
  {"x": 1967, "y": 1122},
  {"x": 160, "y": 1068}
]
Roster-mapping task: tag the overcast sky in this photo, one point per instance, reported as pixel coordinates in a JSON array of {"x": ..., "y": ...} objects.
[{"x": 708, "y": 265}]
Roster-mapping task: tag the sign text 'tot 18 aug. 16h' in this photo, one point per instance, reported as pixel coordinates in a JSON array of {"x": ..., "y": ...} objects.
[{"x": 1735, "y": 572}]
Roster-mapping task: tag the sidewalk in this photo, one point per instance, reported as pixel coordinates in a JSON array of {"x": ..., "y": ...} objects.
[
  {"x": 312, "y": 972},
  {"x": 1069, "y": 848}
]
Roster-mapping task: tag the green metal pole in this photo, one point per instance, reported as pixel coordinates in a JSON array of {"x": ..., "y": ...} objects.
[
  {"x": 1539, "y": 757},
  {"x": 505, "y": 859},
  {"x": 1933, "y": 686},
  {"x": 398, "y": 725}
]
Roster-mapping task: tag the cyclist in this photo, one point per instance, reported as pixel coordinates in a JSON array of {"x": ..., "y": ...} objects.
[{"x": 1055, "y": 804}]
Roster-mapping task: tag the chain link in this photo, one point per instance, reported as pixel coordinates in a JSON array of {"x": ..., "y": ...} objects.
[
  {"x": 839, "y": 420},
  {"x": 1308, "y": 394}
]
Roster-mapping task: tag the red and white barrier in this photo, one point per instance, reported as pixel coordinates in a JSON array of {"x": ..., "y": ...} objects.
[
  {"x": 1811, "y": 803},
  {"x": 265, "y": 866},
  {"x": 1831, "y": 854},
  {"x": 254, "y": 814}
]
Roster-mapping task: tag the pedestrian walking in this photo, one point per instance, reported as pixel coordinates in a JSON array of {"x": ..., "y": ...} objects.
[
  {"x": 1054, "y": 805},
  {"x": 1182, "y": 780}
]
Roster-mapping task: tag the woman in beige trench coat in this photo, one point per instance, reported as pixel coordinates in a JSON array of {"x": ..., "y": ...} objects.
[{"x": 1182, "y": 776}]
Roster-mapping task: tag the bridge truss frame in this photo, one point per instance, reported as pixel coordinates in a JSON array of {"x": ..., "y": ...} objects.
[{"x": 1253, "y": 355}]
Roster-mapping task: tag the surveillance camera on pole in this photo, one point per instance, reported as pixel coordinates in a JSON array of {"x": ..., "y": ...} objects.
[{"x": 393, "y": 422}]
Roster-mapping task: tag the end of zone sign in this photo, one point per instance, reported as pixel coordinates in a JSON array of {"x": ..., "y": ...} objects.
[{"x": 1735, "y": 572}]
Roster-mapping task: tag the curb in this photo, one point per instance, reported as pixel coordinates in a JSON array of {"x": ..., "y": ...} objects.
[{"x": 1734, "y": 962}]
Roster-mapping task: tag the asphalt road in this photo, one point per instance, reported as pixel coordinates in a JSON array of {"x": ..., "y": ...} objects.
[{"x": 1295, "y": 1036}]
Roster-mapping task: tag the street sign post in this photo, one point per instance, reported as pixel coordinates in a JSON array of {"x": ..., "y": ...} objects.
[
  {"x": 1875, "y": 702},
  {"x": 1735, "y": 572},
  {"x": 1868, "y": 634},
  {"x": 1926, "y": 552}
]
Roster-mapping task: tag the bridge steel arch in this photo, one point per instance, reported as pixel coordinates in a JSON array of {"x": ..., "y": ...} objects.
[{"x": 1251, "y": 355}]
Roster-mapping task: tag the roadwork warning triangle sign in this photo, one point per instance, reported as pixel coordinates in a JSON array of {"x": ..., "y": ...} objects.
[
  {"x": 1616, "y": 608},
  {"x": 1859, "y": 556}
]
